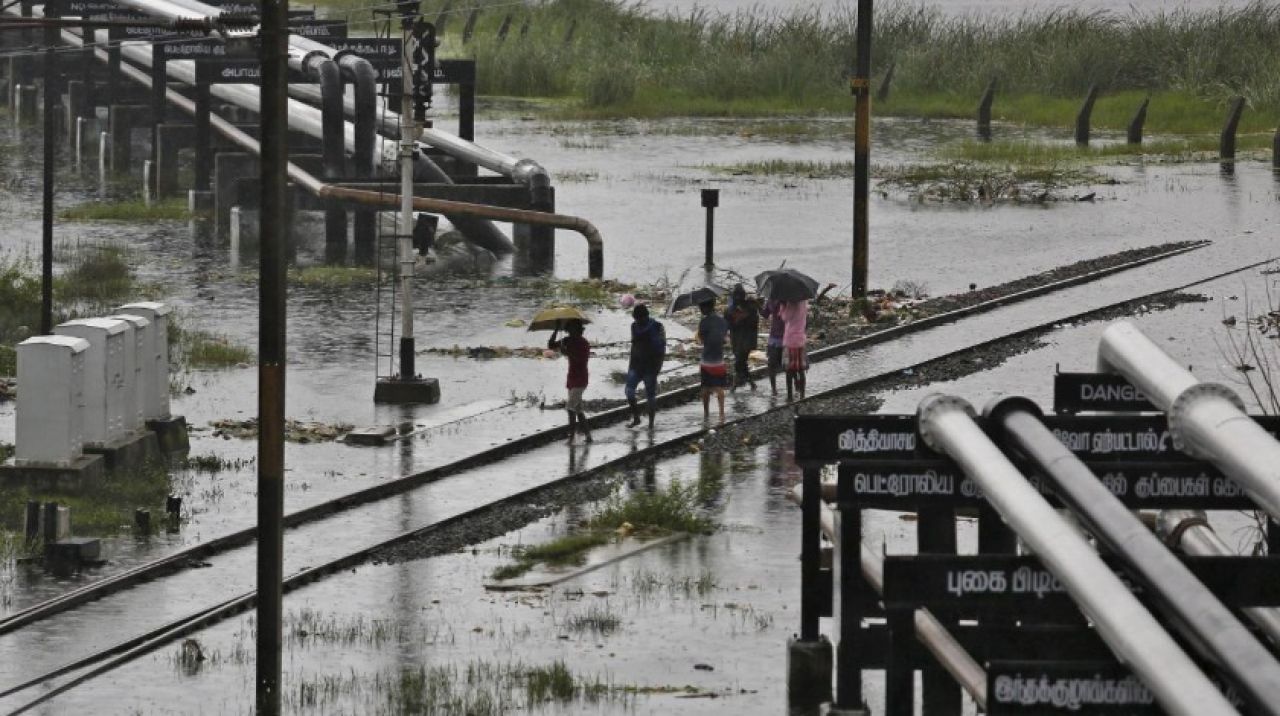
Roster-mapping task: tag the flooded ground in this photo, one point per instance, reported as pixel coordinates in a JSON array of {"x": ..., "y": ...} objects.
[{"x": 724, "y": 601}]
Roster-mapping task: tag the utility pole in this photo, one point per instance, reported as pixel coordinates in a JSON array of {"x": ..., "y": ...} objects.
[
  {"x": 272, "y": 287},
  {"x": 50, "y": 130},
  {"x": 861, "y": 148},
  {"x": 408, "y": 386}
]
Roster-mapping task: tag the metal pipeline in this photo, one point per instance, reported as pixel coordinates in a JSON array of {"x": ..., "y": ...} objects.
[
  {"x": 947, "y": 426},
  {"x": 595, "y": 243},
  {"x": 930, "y": 632},
  {"x": 325, "y": 71},
  {"x": 1206, "y": 420},
  {"x": 1189, "y": 531},
  {"x": 1186, "y": 603}
]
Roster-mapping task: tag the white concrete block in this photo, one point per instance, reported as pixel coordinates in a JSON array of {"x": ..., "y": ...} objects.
[
  {"x": 50, "y": 403},
  {"x": 136, "y": 385},
  {"x": 156, "y": 363}
]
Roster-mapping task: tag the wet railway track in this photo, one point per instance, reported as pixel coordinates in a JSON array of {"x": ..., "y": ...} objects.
[{"x": 440, "y": 504}]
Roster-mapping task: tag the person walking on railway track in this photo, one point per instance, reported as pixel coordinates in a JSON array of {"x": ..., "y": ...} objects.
[
  {"x": 795, "y": 358},
  {"x": 773, "y": 347},
  {"x": 743, "y": 315},
  {"x": 712, "y": 331},
  {"x": 648, "y": 351},
  {"x": 578, "y": 350}
]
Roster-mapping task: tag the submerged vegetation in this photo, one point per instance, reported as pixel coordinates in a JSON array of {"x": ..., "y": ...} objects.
[
  {"x": 99, "y": 508},
  {"x": 128, "y": 210},
  {"x": 964, "y": 181},
  {"x": 613, "y": 58}
]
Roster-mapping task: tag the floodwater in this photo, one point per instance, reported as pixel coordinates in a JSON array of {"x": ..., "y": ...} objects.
[{"x": 638, "y": 182}]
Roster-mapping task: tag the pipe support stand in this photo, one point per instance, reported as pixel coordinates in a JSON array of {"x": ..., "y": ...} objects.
[{"x": 927, "y": 413}]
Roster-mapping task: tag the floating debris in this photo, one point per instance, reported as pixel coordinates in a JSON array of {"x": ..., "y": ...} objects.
[{"x": 295, "y": 431}]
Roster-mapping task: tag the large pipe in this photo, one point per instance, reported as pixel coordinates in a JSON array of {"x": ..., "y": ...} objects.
[
  {"x": 325, "y": 71},
  {"x": 930, "y": 632},
  {"x": 947, "y": 426},
  {"x": 1207, "y": 420},
  {"x": 1189, "y": 531},
  {"x": 595, "y": 243},
  {"x": 1206, "y": 623}
]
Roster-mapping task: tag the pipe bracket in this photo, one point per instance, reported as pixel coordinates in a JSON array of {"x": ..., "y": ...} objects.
[
  {"x": 1182, "y": 406},
  {"x": 930, "y": 408}
]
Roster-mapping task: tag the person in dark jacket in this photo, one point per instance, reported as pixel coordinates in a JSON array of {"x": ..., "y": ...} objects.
[
  {"x": 648, "y": 351},
  {"x": 743, "y": 315}
]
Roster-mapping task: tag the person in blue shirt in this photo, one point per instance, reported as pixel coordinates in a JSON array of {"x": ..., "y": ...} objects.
[{"x": 712, "y": 331}]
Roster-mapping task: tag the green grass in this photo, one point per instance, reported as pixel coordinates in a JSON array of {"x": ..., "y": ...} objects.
[
  {"x": 674, "y": 509},
  {"x": 193, "y": 348},
  {"x": 568, "y": 549},
  {"x": 626, "y": 60},
  {"x": 100, "y": 508},
  {"x": 333, "y": 277},
  {"x": 135, "y": 210},
  {"x": 1032, "y": 154},
  {"x": 96, "y": 273},
  {"x": 786, "y": 168},
  {"x": 8, "y": 361}
]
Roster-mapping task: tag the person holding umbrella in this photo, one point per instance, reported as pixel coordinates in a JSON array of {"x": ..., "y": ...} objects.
[
  {"x": 576, "y": 348},
  {"x": 788, "y": 293},
  {"x": 712, "y": 330}
]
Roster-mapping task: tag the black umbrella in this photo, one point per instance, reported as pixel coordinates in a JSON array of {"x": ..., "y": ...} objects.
[
  {"x": 697, "y": 296},
  {"x": 786, "y": 285}
]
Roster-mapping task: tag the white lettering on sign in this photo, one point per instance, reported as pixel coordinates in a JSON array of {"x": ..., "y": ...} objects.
[
  {"x": 1071, "y": 694},
  {"x": 1157, "y": 486},
  {"x": 977, "y": 581},
  {"x": 1110, "y": 393},
  {"x": 928, "y": 482},
  {"x": 875, "y": 441},
  {"x": 241, "y": 72},
  {"x": 1106, "y": 442},
  {"x": 1035, "y": 581}
]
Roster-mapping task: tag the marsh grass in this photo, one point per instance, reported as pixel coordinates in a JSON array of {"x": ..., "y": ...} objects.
[
  {"x": 333, "y": 277},
  {"x": 194, "y": 348},
  {"x": 8, "y": 360},
  {"x": 786, "y": 168},
  {"x": 673, "y": 509},
  {"x": 479, "y": 688},
  {"x": 95, "y": 273},
  {"x": 1042, "y": 154},
  {"x": 968, "y": 181},
  {"x": 135, "y": 210},
  {"x": 101, "y": 508},
  {"x": 568, "y": 549},
  {"x": 626, "y": 60},
  {"x": 597, "y": 620}
]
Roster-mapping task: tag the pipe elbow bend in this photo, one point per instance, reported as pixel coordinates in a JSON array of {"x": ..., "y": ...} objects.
[{"x": 531, "y": 174}]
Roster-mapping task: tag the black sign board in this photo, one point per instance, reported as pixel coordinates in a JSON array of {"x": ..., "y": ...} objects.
[
  {"x": 194, "y": 49},
  {"x": 1042, "y": 687},
  {"x": 912, "y": 484},
  {"x": 148, "y": 33},
  {"x": 318, "y": 30},
  {"x": 455, "y": 72},
  {"x": 1083, "y": 392},
  {"x": 826, "y": 439},
  {"x": 381, "y": 52},
  {"x": 1093, "y": 438},
  {"x": 88, "y": 8},
  {"x": 1021, "y": 584}
]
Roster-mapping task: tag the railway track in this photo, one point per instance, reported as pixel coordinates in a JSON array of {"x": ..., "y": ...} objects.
[{"x": 443, "y": 503}]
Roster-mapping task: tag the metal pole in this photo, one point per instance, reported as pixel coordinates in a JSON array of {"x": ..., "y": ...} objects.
[
  {"x": 272, "y": 351},
  {"x": 810, "y": 553},
  {"x": 1188, "y": 606},
  {"x": 204, "y": 141},
  {"x": 947, "y": 426},
  {"x": 710, "y": 200},
  {"x": 862, "y": 148},
  {"x": 1207, "y": 420},
  {"x": 404, "y": 239},
  {"x": 50, "y": 129}
]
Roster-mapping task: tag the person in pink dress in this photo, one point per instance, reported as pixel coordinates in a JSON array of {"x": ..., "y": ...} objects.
[{"x": 795, "y": 358}]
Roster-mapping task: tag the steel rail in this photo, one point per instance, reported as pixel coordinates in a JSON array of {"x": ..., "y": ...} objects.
[
  {"x": 1189, "y": 531},
  {"x": 947, "y": 425},
  {"x": 176, "y": 561},
  {"x": 1195, "y": 612},
  {"x": 930, "y": 632},
  {"x": 616, "y": 415},
  {"x": 1206, "y": 420}
]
